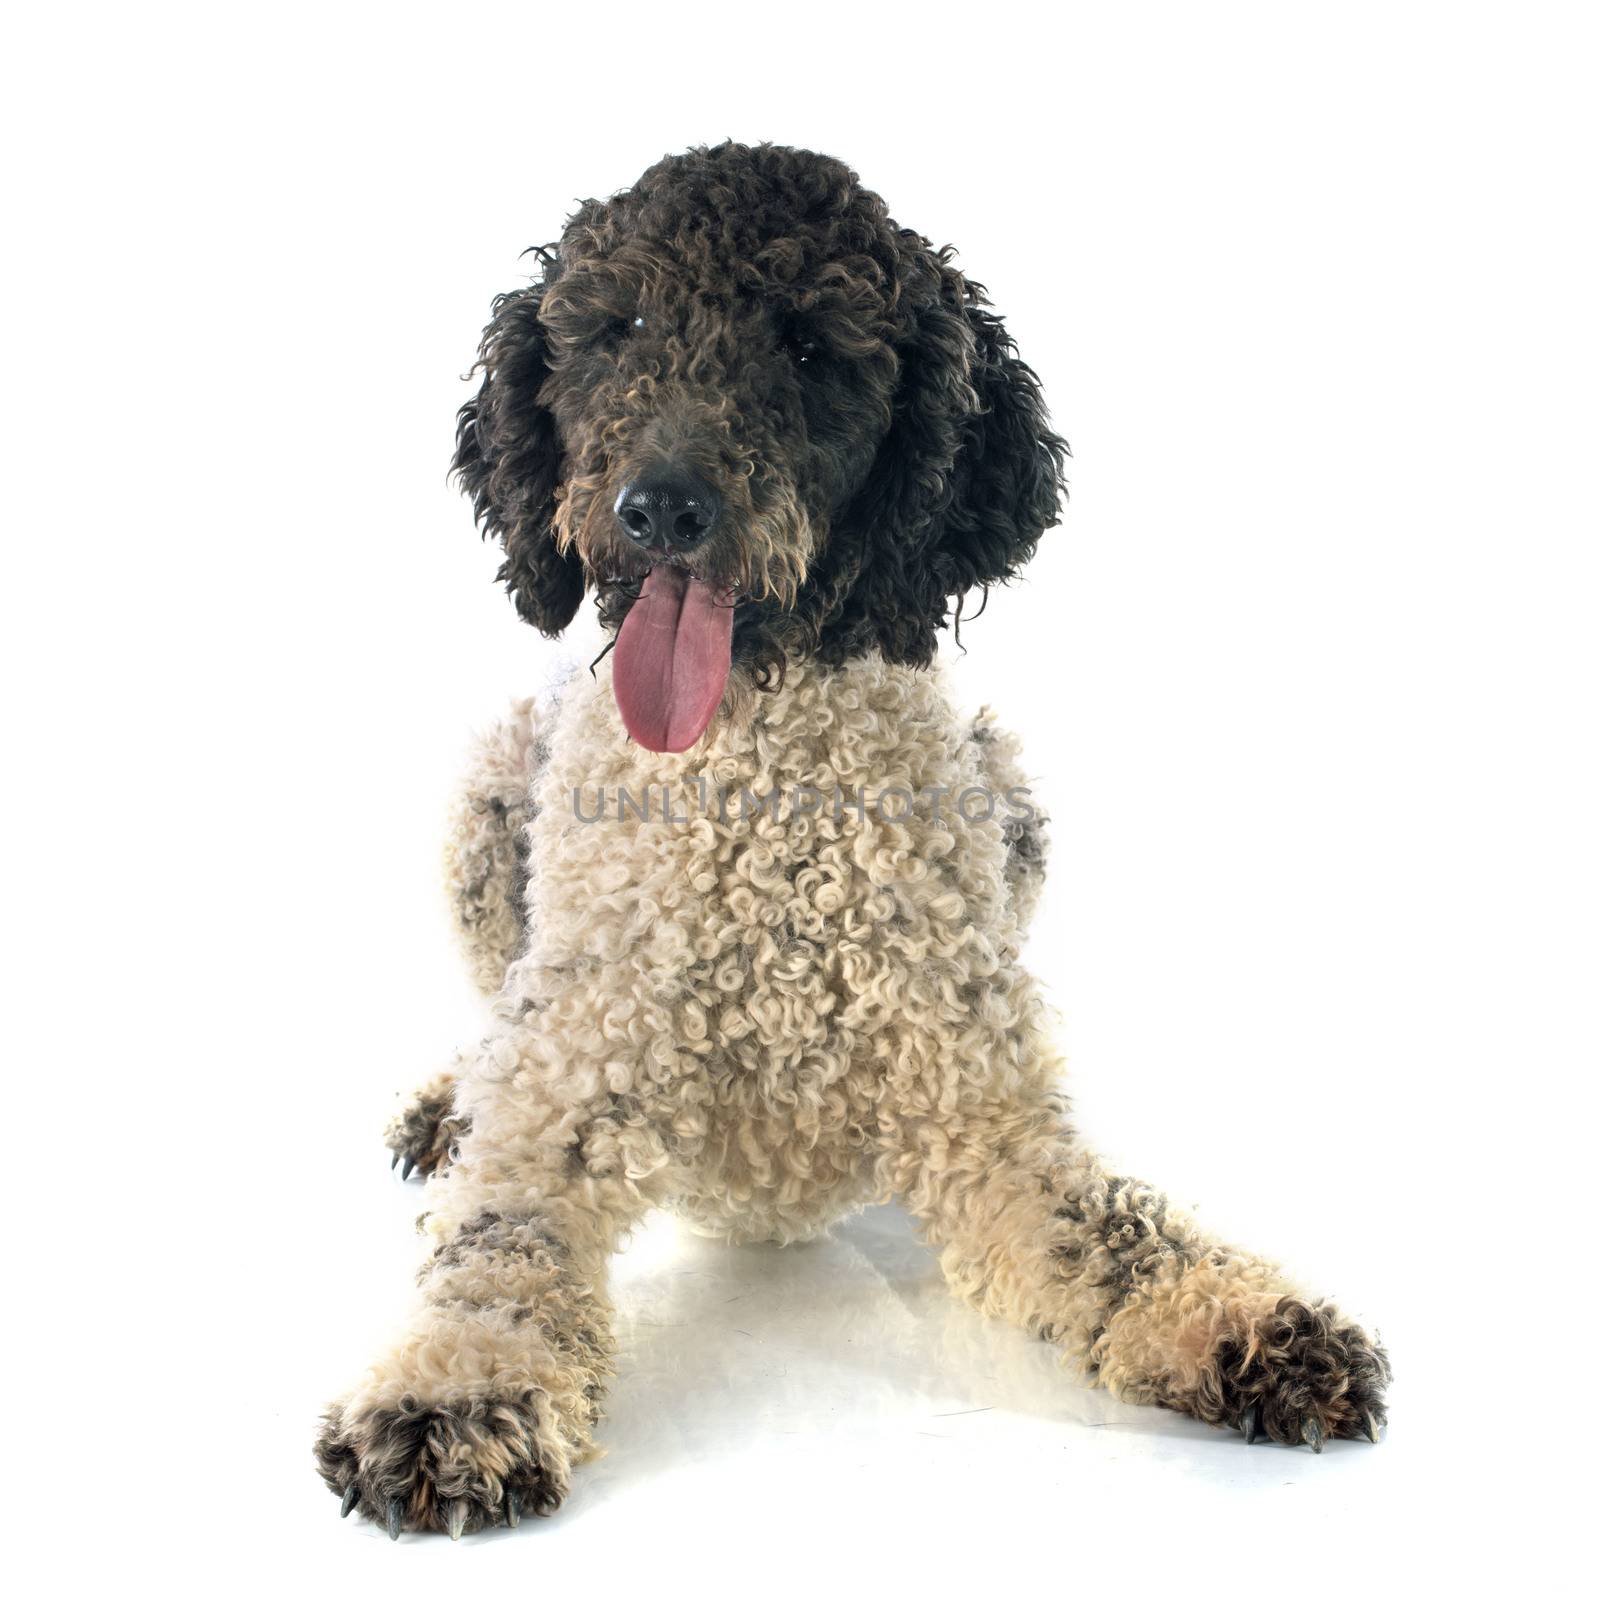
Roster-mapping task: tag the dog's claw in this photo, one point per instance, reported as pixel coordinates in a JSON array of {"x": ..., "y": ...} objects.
[
  {"x": 455, "y": 1518},
  {"x": 513, "y": 1507},
  {"x": 1247, "y": 1424},
  {"x": 397, "y": 1512},
  {"x": 394, "y": 1161},
  {"x": 1371, "y": 1426},
  {"x": 348, "y": 1504},
  {"x": 407, "y": 1169},
  {"x": 1311, "y": 1432}
]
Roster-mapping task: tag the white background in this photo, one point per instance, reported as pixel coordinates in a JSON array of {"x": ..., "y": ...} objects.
[{"x": 1307, "y": 678}]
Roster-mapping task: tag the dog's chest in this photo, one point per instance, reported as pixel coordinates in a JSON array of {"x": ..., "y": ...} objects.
[{"x": 792, "y": 883}]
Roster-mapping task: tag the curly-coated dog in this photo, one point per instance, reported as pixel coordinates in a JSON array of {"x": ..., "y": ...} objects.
[{"x": 750, "y": 903}]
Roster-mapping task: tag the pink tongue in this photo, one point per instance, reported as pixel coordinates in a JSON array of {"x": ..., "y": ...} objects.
[{"x": 671, "y": 662}]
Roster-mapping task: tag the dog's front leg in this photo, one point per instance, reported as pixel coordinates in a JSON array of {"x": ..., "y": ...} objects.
[
  {"x": 488, "y": 1399},
  {"x": 1035, "y": 1229}
]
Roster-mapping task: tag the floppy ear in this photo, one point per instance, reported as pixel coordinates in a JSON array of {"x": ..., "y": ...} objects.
[
  {"x": 968, "y": 477},
  {"x": 1007, "y": 486},
  {"x": 508, "y": 459}
]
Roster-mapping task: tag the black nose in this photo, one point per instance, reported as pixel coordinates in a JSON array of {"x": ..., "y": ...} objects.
[{"x": 668, "y": 509}]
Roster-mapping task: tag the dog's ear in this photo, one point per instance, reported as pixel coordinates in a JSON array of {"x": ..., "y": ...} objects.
[
  {"x": 1007, "y": 486},
  {"x": 508, "y": 460},
  {"x": 969, "y": 476}
]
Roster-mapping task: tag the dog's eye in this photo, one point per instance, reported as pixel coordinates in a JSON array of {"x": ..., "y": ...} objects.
[
  {"x": 801, "y": 351},
  {"x": 619, "y": 328}
]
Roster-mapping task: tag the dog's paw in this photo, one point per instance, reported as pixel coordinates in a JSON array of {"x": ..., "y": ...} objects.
[
  {"x": 1301, "y": 1374},
  {"x": 423, "y": 1134},
  {"x": 448, "y": 1467}
]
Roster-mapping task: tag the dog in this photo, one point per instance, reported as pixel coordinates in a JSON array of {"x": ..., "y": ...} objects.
[{"x": 749, "y": 897}]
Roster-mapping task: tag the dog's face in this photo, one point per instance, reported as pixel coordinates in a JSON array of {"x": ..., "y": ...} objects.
[{"x": 760, "y": 421}]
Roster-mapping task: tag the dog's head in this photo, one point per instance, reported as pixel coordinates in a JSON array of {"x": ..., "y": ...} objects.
[{"x": 761, "y": 421}]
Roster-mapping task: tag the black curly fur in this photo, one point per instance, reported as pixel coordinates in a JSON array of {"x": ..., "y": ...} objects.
[
  {"x": 426, "y": 1133},
  {"x": 408, "y": 1466},
  {"x": 755, "y": 310},
  {"x": 1305, "y": 1363},
  {"x": 508, "y": 459}
]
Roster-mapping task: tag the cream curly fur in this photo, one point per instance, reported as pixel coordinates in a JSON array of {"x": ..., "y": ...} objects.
[
  {"x": 486, "y": 845},
  {"x": 764, "y": 1022}
]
